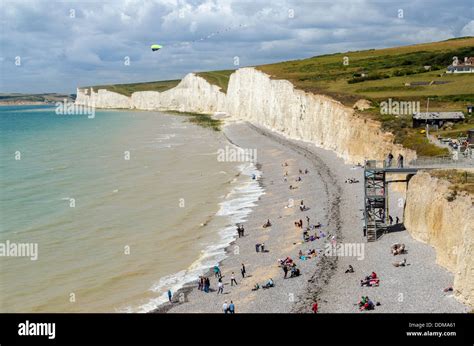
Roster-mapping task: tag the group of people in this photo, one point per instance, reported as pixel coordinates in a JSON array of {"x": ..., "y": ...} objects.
[
  {"x": 228, "y": 308},
  {"x": 240, "y": 230},
  {"x": 204, "y": 284},
  {"x": 289, "y": 266},
  {"x": 266, "y": 285},
  {"x": 309, "y": 254},
  {"x": 366, "y": 304},
  {"x": 399, "y": 160},
  {"x": 371, "y": 280},
  {"x": 260, "y": 247}
]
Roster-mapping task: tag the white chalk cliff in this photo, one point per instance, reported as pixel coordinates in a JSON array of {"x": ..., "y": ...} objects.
[
  {"x": 447, "y": 224},
  {"x": 276, "y": 104}
]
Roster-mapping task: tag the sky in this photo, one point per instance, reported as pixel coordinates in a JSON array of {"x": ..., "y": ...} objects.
[{"x": 57, "y": 46}]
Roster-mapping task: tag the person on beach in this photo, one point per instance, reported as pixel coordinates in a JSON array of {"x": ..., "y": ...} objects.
[
  {"x": 220, "y": 287},
  {"x": 231, "y": 307},
  {"x": 225, "y": 308},
  {"x": 390, "y": 220},
  {"x": 242, "y": 271},
  {"x": 400, "y": 161},
  {"x": 397, "y": 220},
  {"x": 285, "y": 270},
  {"x": 257, "y": 247},
  {"x": 315, "y": 307},
  {"x": 269, "y": 284},
  {"x": 217, "y": 272},
  {"x": 267, "y": 224},
  {"x": 232, "y": 280},
  {"x": 350, "y": 269},
  {"x": 207, "y": 285},
  {"x": 200, "y": 283},
  {"x": 262, "y": 247},
  {"x": 170, "y": 295}
]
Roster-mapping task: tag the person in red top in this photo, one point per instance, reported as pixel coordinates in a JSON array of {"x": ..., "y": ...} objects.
[{"x": 315, "y": 307}]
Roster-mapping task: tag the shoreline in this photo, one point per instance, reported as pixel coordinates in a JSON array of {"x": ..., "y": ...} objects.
[{"x": 324, "y": 279}]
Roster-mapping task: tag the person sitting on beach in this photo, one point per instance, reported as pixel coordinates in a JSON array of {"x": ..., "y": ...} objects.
[
  {"x": 298, "y": 179},
  {"x": 269, "y": 284},
  {"x": 305, "y": 236},
  {"x": 256, "y": 287},
  {"x": 312, "y": 252},
  {"x": 262, "y": 247},
  {"x": 294, "y": 272},
  {"x": 300, "y": 253},
  {"x": 306, "y": 171},
  {"x": 257, "y": 247},
  {"x": 397, "y": 249},
  {"x": 301, "y": 172},
  {"x": 350, "y": 269},
  {"x": 400, "y": 264},
  {"x": 267, "y": 224}
]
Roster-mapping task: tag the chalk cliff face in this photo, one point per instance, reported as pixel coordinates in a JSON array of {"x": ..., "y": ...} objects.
[
  {"x": 448, "y": 226},
  {"x": 192, "y": 94},
  {"x": 275, "y": 104}
]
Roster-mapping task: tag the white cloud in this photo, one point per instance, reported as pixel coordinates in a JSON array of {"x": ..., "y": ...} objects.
[
  {"x": 468, "y": 29},
  {"x": 90, "y": 48}
]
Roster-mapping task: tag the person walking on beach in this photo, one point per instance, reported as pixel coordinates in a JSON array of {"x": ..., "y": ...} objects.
[
  {"x": 315, "y": 307},
  {"x": 242, "y": 271},
  {"x": 231, "y": 307},
  {"x": 220, "y": 287},
  {"x": 390, "y": 220},
  {"x": 397, "y": 220},
  {"x": 217, "y": 272},
  {"x": 207, "y": 284},
  {"x": 170, "y": 295},
  {"x": 225, "y": 308},
  {"x": 285, "y": 270},
  {"x": 232, "y": 280}
]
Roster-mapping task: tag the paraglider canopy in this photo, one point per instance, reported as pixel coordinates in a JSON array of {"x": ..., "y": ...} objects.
[{"x": 155, "y": 47}]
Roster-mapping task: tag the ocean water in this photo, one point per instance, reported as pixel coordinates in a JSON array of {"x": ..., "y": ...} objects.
[{"x": 122, "y": 207}]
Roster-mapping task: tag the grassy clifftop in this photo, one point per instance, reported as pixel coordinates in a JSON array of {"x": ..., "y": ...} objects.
[
  {"x": 129, "y": 89},
  {"x": 409, "y": 73}
]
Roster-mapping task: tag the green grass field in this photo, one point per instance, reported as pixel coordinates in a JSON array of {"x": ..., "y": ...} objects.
[
  {"x": 129, "y": 89},
  {"x": 388, "y": 73},
  {"x": 219, "y": 78}
]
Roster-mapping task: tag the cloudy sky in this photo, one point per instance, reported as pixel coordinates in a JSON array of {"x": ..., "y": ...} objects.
[{"x": 55, "y": 46}]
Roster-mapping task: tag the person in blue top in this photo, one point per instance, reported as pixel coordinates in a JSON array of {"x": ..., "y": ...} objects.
[
  {"x": 170, "y": 295},
  {"x": 231, "y": 307}
]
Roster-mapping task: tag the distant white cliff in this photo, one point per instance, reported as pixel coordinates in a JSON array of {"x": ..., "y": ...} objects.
[{"x": 274, "y": 104}]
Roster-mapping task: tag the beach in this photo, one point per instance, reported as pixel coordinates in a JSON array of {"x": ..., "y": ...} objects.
[{"x": 338, "y": 207}]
